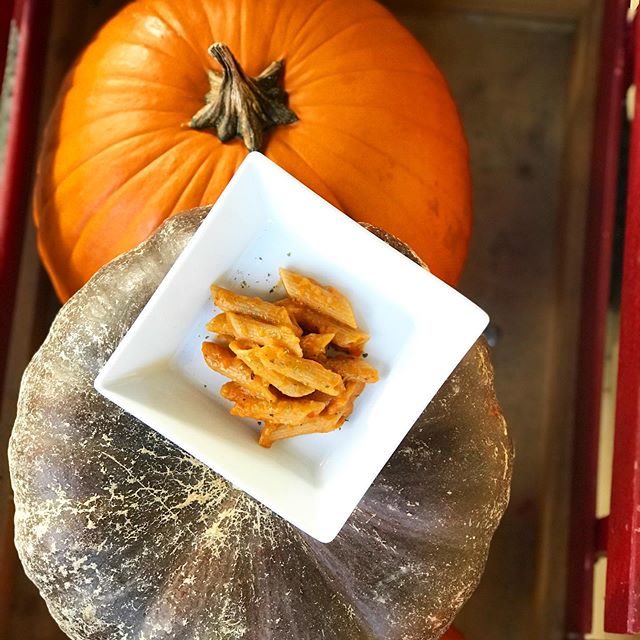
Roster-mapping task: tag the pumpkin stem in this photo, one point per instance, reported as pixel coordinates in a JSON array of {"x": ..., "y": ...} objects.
[{"x": 238, "y": 105}]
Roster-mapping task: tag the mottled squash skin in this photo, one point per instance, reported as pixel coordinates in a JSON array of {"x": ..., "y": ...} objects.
[{"x": 128, "y": 537}]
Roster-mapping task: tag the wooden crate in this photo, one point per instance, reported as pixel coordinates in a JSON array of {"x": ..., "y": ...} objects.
[{"x": 524, "y": 75}]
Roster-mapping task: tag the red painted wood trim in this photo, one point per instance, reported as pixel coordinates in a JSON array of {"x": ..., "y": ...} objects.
[
  {"x": 32, "y": 22},
  {"x": 622, "y": 597},
  {"x": 595, "y": 297},
  {"x": 6, "y": 12}
]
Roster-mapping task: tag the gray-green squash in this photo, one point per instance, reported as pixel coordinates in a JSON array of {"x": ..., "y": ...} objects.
[{"x": 128, "y": 537}]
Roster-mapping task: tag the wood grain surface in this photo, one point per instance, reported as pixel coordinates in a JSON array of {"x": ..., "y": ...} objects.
[
  {"x": 527, "y": 104},
  {"x": 521, "y": 72}
]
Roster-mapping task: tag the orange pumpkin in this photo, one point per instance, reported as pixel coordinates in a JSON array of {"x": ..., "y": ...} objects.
[{"x": 371, "y": 126}]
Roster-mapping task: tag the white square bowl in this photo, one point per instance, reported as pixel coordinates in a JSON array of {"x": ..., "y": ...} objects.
[{"x": 420, "y": 329}]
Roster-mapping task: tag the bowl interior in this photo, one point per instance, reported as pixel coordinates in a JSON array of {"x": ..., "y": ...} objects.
[{"x": 420, "y": 329}]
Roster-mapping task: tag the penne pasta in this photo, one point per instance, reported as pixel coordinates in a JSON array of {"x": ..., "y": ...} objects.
[
  {"x": 351, "y": 340},
  {"x": 249, "y": 355},
  {"x": 325, "y": 300},
  {"x": 222, "y": 360},
  {"x": 314, "y": 345},
  {"x": 343, "y": 404},
  {"x": 308, "y": 372},
  {"x": 273, "y": 432},
  {"x": 290, "y": 411},
  {"x": 297, "y": 329},
  {"x": 220, "y": 324},
  {"x": 234, "y": 391},
  {"x": 352, "y": 369},
  {"x": 276, "y": 357},
  {"x": 250, "y": 306},
  {"x": 263, "y": 333}
]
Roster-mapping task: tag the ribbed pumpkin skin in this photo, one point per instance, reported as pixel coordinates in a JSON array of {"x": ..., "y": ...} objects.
[{"x": 378, "y": 134}]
